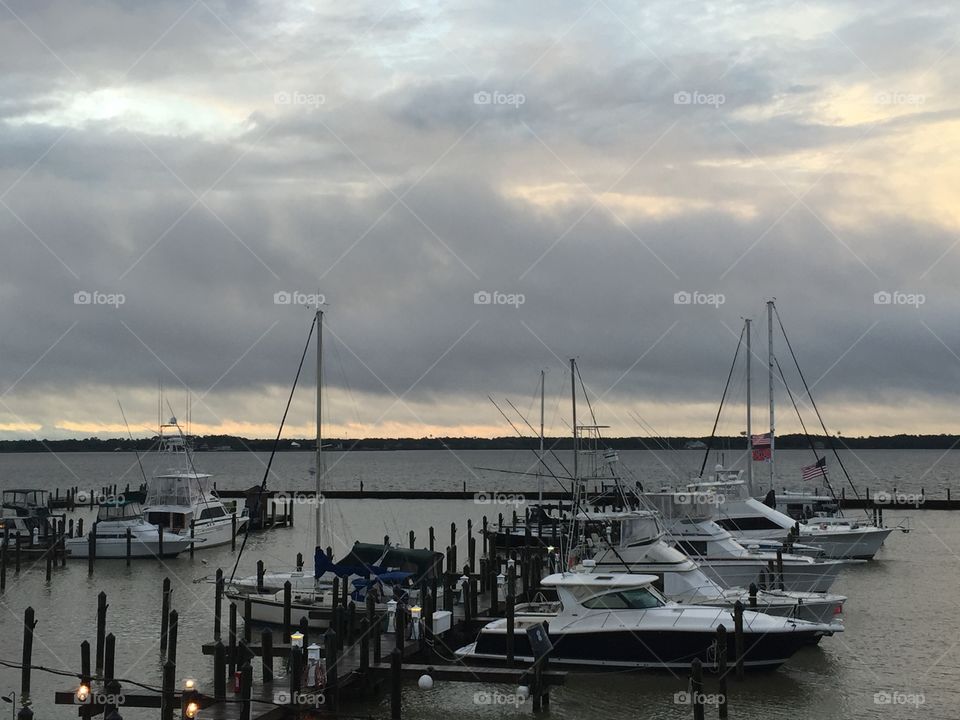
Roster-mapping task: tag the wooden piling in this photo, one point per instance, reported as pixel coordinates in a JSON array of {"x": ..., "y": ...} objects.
[
  {"x": 260, "y": 573},
  {"x": 332, "y": 645},
  {"x": 780, "y": 569},
  {"x": 266, "y": 654},
  {"x": 168, "y": 697},
  {"x": 129, "y": 545},
  {"x": 432, "y": 540},
  {"x": 753, "y": 596},
  {"x": 219, "y": 671},
  {"x": 193, "y": 535},
  {"x": 3, "y": 562},
  {"x": 364, "y": 645},
  {"x": 696, "y": 688},
  {"x": 110, "y": 684},
  {"x": 287, "y": 600},
  {"x": 233, "y": 532},
  {"x": 26, "y": 658},
  {"x": 172, "y": 630},
  {"x": 164, "y": 616},
  {"x": 247, "y": 620},
  {"x": 91, "y": 549},
  {"x": 232, "y": 641},
  {"x": 396, "y": 667},
  {"x": 246, "y": 690},
  {"x": 101, "y": 629}
]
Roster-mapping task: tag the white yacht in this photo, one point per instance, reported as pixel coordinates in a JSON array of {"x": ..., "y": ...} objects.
[
  {"x": 25, "y": 511},
  {"x": 623, "y": 621},
  {"x": 691, "y": 528},
  {"x": 114, "y": 517},
  {"x": 632, "y": 541},
  {"x": 746, "y": 518},
  {"x": 183, "y": 500}
]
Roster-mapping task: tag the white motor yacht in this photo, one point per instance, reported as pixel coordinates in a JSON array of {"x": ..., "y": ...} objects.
[{"x": 114, "y": 517}]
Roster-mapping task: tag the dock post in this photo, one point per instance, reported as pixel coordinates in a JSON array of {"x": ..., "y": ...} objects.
[
  {"x": 91, "y": 548},
  {"x": 29, "y": 623},
  {"x": 511, "y": 627},
  {"x": 335, "y": 593},
  {"x": 377, "y": 641},
  {"x": 79, "y": 527},
  {"x": 111, "y": 686},
  {"x": 129, "y": 544},
  {"x": 246, "y": 690},
  {"x": 396, "y": 664},
  {"x": 266, "y": 654},
  {"x": 780, "y": 569},
  {"x": 233, "y": 532},
  {"x": 364, "y": 645},
  {"x": 247, "y": 620},
  {"x": 351, "y": 622},
  {"x": 413, "y": 540},
  {"x": 722, "y": 670},
  {"x": 472, "y": 553},
  {"x": 738, "y": 635},
  {"x": 401, "y": 626},
  {"x": 287, "y": 599},
  {"x": 168, "y": 697},
  {"x": 232, "y": 641},
  {"x": 299, "y": 562},
  {"x": 172, "y": 630},
  {"x": 3, "y": 562},
  {"x": 101, "y": 628},
  {"x": 219, "y": 671},
  {"x": 696, "y": 688},
  {"x": 467, "y": 596},
  {"x": 303, "y": 627},
  {"x": 483, "y": 532},
  {"x": 260, "y": 576},
  {"x": 332, "y": 651},
  {"x": 160, "y": 534},
  {"x": 753, "y": 597},
  {"x": 218, "y": 604},
  {"x": 51, "y": 551},
  {"x": 296, "y": 672},
  {"x": 164, "y": 616},
  {"x": 431, "y": 538},
  {"x": 193, "y": 535}
]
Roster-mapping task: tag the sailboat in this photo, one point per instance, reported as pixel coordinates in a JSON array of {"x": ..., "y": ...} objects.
[{"x": 746, "y": 517}]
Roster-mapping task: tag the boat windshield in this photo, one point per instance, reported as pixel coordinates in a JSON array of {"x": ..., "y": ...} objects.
[
  {"x": 630, "y": 599},
  {"x": 119, "y": 511}
]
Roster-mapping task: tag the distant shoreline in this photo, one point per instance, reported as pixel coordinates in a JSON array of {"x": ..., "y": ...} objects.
[{"x": 221, "y": 443}]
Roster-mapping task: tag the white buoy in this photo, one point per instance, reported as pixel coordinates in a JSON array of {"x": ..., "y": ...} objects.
[
  {"x": 425, "y": 682},
  {"x": 523, "y": 692}
]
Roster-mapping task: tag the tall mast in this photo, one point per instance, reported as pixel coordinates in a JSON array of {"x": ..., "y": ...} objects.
[
  {"x": 318, "y": 476},
  {"x": 770, "y": 369},
  {"x": 540, "y": 463},
  {"x": 573, "y": 395},
  {"x": 749, "y": 413}
]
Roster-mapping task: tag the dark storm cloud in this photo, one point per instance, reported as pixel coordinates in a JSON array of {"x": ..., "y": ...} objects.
[{"x": 347, "y": 153}]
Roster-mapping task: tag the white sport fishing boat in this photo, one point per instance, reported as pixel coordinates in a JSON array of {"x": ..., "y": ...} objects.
[
  {"x": 25, "y": 513},
  {"x": 632, "y": 541},
  {"x": 183, "y": 500},
  {"x": 114, "y": 517},
  {"x": 623, "y": 621},
  {"x": 689, "y": 519},
  {"x": 747, "y": 518}
]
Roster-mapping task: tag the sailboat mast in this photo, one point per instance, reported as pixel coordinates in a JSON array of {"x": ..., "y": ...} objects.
[
  {"x": 318, "y": 476},
  {"x": 749, "y": 413},
  {"x": 573, "y": 396},
  {"x": 540, "y": 463},
  {"x": 770, "y": 373}
]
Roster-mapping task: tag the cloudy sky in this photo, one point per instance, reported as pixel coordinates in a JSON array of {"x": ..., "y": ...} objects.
[{"x": 178, "y": 178}]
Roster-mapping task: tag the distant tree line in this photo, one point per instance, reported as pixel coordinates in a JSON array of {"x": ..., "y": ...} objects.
[{"x": 214, "y": 443}]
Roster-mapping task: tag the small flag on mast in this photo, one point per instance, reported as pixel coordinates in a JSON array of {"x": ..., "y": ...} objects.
[
  {"x": 818, "y": 469},
  {"x": 761, "y": 445}
]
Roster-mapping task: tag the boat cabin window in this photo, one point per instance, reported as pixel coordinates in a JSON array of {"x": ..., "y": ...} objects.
[
  {"x": 632, "y": 599},
  {"x": 212, "y": 512},
  {"x": 692, "y": 547}
]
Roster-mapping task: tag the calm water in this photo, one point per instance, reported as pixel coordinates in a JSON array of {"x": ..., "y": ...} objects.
[{"x": 901, "y": 635}]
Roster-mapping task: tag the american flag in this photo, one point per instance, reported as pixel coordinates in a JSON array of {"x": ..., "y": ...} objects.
[
  {"x": 760, "y": 440},
  {"x": 818, "y": 469}
]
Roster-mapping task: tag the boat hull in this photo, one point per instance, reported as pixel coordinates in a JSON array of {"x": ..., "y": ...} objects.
[
  {"x": 117, "y": 548},
  {"x": 741, "y": 572}
]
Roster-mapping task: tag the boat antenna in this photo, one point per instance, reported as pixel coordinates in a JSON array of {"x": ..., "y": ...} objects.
[
  {"x": 130, "y": 434},
  {"x": 543, "y": 375},
  {"x": 273, "y": 450},
  {"x": 186, "y": 453}
]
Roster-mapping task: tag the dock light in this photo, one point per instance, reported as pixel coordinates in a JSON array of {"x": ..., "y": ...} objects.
[
  {"x": 190, "y": 700},
  {"x": 523, "y": 692},
  {"x": 392, "y": 616},
  {"x": 425, "y": 682},
  {"x": 313, "y": 669},
  {"x": 464, "y": 582},
  {"x": 296, "y": 639},
  {"x": 415, "y": 613},
  {"x": 83, "y": 693},
  {"x": 501, "y": 585}
]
